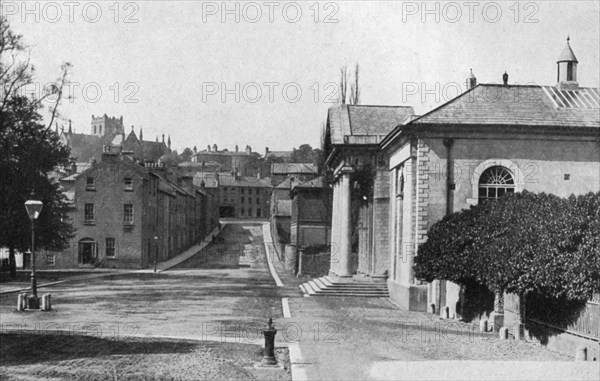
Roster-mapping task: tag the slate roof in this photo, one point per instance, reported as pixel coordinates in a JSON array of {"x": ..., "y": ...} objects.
[
  {"x": 293, "y": 168},
  {"x": 288, "y": 183},
  {"x": 146, "y": 150},
  {"x": 314, "y": 183},
  {"x": 85, "y": 147},
  {"x": 361, "y": 124},
  {"x": 228, "y": 180},
  {"x": 518, "y": 105}
]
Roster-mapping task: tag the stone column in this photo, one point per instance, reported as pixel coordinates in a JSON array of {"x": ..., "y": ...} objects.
[
  {"x": 335, "y": 242},
  {"x": 408, "y": 222},
  {"x": 345, "y": 216}
]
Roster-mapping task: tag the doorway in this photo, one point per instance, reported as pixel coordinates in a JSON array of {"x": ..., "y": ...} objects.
[{"x": 88, "y": 253}]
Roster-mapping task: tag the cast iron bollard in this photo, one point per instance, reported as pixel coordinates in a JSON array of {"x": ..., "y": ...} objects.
[
  {"x": 269, "y": 358},
  {"x": 432, "y": 308},
  {"x": 483, "y": 326},
  {"x": 21, "y": 302},
  {"x": 504, "y": 333},
  {"x": 46, "y": 302}
]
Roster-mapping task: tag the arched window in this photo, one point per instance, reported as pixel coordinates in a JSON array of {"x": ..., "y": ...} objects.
[{"x": 495, "y": 182}]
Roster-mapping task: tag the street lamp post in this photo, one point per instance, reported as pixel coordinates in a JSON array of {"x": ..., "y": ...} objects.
[
  {"x": 34, "y": 207},
  {"x": 155, "y": 250}
]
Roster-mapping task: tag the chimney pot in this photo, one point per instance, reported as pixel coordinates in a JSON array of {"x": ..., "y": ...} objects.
[{"x": 505, "y": 78}]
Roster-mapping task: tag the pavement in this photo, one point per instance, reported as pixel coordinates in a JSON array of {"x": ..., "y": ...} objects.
[{"x": 227, "y": 290}]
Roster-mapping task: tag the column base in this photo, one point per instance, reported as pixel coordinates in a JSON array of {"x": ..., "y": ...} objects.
[{"x": 410, "y": 297}]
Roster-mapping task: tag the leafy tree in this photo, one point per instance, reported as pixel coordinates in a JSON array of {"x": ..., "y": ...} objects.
[
  {"x": 30, "y": 153},
  {"x": 186, "y": 155}
]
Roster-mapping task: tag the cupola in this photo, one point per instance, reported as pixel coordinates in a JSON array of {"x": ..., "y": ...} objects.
[{"x": 567, "y": 69}]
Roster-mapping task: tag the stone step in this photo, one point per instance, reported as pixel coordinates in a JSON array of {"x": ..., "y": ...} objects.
[
  {"x": 320, "y": 283},
  {"x": 355, "y": 294},
  {"x": 303, "y": 289},
  {"x": 355, "y": 280},
  {"x": 352, "y": 292},
  {"x": 314, "y": 285},
  {"x": 365, "y": 286},
  {"x": 309, "y": 289},
  {"x": 326, "y": 286}
]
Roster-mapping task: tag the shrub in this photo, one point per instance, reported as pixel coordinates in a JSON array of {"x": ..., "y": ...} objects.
[{"x": 520, "y": 243}]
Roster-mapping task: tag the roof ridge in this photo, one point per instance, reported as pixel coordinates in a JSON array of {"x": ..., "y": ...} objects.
[{"x": 445, "y": 104}]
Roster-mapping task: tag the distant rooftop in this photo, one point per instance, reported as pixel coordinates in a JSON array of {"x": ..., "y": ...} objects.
[{"x": 293, "y": 168}]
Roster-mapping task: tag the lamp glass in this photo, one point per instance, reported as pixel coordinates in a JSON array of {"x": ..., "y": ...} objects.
[{"x": 34, "y": 208}]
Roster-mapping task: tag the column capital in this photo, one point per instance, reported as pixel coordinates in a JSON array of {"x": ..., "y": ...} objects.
[{"x": 345, "y": 170}]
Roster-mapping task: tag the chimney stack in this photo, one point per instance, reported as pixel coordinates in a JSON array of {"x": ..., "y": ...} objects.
[
  {"x": 208, "y": 148},
  {"x": 266, "y": 152},
  {"x": 471, "y": 80},
  {"x": 215, "y": 147},
  {"x": 505, "y": 78}
]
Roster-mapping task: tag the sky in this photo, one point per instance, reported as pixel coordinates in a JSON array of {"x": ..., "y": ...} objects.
[{"x": 264, "y": 73}]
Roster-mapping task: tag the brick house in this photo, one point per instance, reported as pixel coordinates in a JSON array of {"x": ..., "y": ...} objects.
[{"x": 127, "y": 215}]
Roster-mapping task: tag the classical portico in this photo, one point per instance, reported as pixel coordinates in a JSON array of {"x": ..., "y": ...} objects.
[{"x": 360, "y": 181}]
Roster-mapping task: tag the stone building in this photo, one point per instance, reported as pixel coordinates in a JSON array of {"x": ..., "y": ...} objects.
[
  {"x": 241, "y": 163},
  {"x": 310, "y": 217},
  {"x": 490, "y": 140},
  {"x": 143, "y": 150},
  {"x": 109, "y": 131},
  {"x": 245, "y": 197},
  {"x": 301, "y": 171},
  {"x": 281, "y": 209},
  {"x": 396, "y": 174},
  {"x": 360, "y": 205},
  {"x": 128, "y": 215}
]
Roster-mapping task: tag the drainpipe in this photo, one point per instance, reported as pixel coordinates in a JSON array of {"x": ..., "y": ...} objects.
[{"x": 450, "y": 186}]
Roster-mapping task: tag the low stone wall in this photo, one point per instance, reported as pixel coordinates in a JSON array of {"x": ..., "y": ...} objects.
[
  {"x": 289, "y": 259},
  {"x": 314, "y": 265},
  {"x": 581, "y": 332}
]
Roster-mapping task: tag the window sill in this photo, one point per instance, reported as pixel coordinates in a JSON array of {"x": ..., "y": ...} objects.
[
  {"x": 128, "y": 189},
  {"x": 89, "y": 222},
  {"x": 90, "y": 189}
]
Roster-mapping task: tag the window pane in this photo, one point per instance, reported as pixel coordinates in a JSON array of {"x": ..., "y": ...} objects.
[
  {"x": 482, "y": 192},
  {"x": 110, "y": 247},
  {"x": 128, "y": 213},
  {"x": 89, "y": 212}
]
